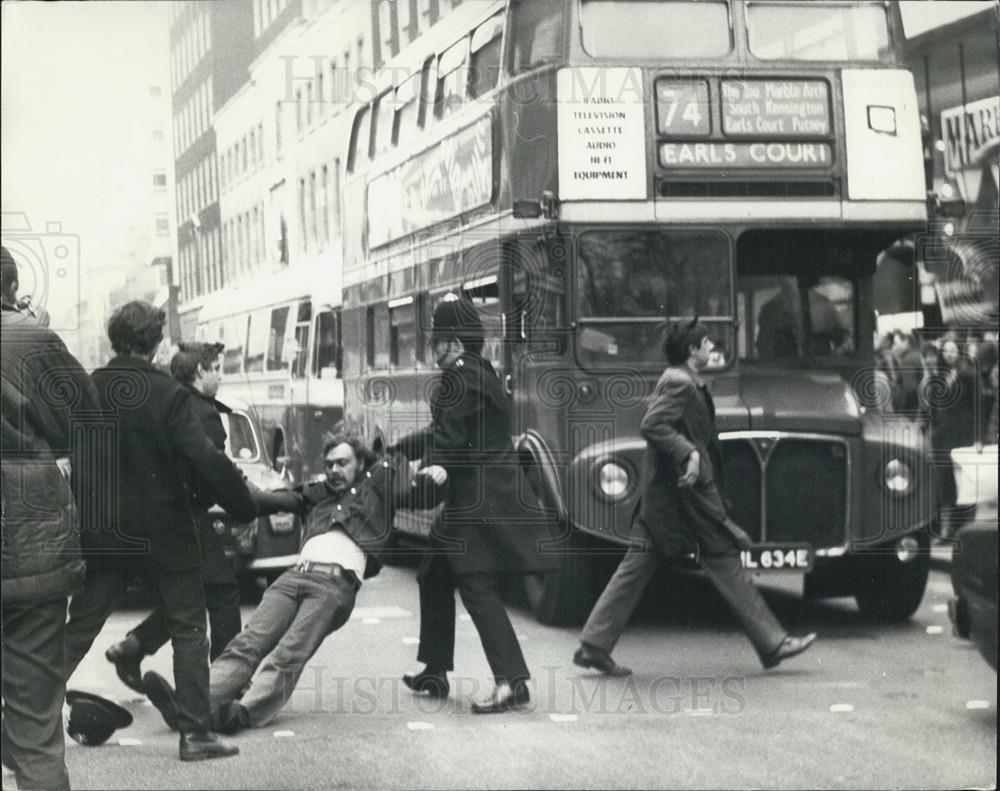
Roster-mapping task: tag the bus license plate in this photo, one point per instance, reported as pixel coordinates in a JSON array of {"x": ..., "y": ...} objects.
[{"x": 777, "y": 557}]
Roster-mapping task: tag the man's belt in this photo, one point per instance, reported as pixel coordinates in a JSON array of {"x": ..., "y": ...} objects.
[{"x": 331, "y": 569}]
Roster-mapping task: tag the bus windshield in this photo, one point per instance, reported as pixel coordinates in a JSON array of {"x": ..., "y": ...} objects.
[
  {"x": 646, "y": 29},
  {"x": 630, "y": 281},
  {"x": 818, "y": 30}
]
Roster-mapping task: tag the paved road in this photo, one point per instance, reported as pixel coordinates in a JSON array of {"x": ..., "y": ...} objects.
[{"x": 869, "y": 706}]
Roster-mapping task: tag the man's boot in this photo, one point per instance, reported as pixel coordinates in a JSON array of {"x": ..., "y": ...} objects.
[{"x": 126, "y": 656}]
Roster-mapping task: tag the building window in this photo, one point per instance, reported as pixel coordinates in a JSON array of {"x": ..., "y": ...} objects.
[
  {"x": 162, "y": 225},
  {"x": 155, "y": 91},
  {"x": 277, "y": 128},
  {"x": 160, "y": 180}
]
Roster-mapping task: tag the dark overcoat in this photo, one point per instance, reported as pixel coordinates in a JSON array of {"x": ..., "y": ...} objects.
[
  {"x": 216, "y": 567},
  {"x": 45, "y": 390},
  {"x": 491, "y": 521},
  {"x": 680, "y": 419},
  {"x": 140, "y": 507}
]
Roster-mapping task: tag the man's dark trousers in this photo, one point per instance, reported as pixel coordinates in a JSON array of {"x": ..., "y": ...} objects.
[
  {"x": 180, "y": 596},
  {"x": 223, "y": 602},
  {"x": 481, "y": 598},
  {"x": 34, "y": 688}
]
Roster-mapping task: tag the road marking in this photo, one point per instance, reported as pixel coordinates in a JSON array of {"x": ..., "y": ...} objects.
[
  {"x": 940, "y": 608},
  {"x": 130, "y": 742},
  {"x": 563, "y": 717},
  {"x": 977, "y": 704},
  {"x": 380, "y": 612},
  {"x": 283, "y": 734},
  {"x": 371, "y": 620},
  {"x": 941, "y": 587},
  {"x": 841, "y": 708},
  {"x": 411, "y": 641},
  {"x": 418, "y": 725},
  {"x": 935, "y": 630}
]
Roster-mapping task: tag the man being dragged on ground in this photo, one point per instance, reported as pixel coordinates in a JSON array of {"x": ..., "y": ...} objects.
[{"x": 347, "y": 519}]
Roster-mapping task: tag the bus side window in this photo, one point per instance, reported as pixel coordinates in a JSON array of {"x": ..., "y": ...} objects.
[
  {"x": 327, "y": 361},
  {"x": 359, "y": 138},
  {"x": 303, "y": 319},
  {"x": 232, "y": 360},
  {"x": 258, "y": 332},
  {"x": 382, "y": 118},
  {"x": 452, "y": 78},
  {"x": 484, "y": 64},
  {"x": 276, "y": 358},
  {"x": 402, "y": 333},
  {"x": 484, "y": 294},
  {"x": 407, "y": 117}
]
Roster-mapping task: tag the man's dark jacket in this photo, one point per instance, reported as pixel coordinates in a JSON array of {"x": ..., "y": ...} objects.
[
  {"x": 364, "y": 510},
  {"x": 681, "y": 419},
  {"x": 44, "y": 389},
  {"x": 139, "y": 506},
  {"x": 491, "y": 520}
]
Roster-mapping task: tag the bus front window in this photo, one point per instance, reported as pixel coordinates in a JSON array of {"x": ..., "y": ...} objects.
[
  {"x": 820, "y": 31},
  {"x": 629, "y": 282},
  {"x": 645, "y": 29}
]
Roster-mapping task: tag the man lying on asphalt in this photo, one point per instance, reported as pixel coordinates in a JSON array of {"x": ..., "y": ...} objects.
[{"x": 347, "y": 520}]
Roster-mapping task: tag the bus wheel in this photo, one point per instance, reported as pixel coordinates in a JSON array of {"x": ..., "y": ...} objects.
[
  {"x": 890, "y": 580},
  {"x": 566, "y": 596}
]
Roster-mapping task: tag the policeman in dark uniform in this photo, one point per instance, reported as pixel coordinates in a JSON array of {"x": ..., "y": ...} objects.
[{"x": 485, "y": 530}]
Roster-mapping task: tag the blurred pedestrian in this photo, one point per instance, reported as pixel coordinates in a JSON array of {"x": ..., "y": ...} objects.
[
  {"x": 44, "y": 389},
  {"x": 347, "y": 520},
  {"x": 485, "y": 530},
  {"x": 682, "y": 511},
  {"x": 948, "y": 398},
  {"x": 197, "y": 366},
  {"x": 154, "y": 438},
  {"x": 909, "y": 371}
]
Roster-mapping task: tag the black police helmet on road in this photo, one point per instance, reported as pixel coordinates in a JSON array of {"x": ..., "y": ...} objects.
[{"x": 92, "y": 719}]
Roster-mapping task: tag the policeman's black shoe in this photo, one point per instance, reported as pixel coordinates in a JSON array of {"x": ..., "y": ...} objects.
[
  {"x": 126, "y": 656},
  {"x": 591, "y": 656},
  {"x": 231, "y": 717},
  {"x": 789, "y": 647},
  {"x": 161, "y": 695},
  {"x": 432, "y": 682},
  {"x": 505, "y": 697},
  {"x": 202, "y": 745}
]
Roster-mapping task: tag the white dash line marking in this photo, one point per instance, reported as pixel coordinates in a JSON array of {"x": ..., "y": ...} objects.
[
  {"x": 130, "y": 742},
  {"x": 563, "y": 717},
  {"x": 371, "y": 620},
  {"x": 411, "y": 641},
  {"x": 841, "y": 708},
  {"x": 935, "y": 630},
  {"x": 418, "y": 725},
  {"x": 283, "y": 734},
  {"x": 940, "y": 608},
  {"x": 977, "y": 704}
]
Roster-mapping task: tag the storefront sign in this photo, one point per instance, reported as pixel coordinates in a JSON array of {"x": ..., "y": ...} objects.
[
  {"x": 602, "y": 138},
  {"x": 448, "y": 179},
  {"x": 745, "y": 155},
  {"x": 775, "y": 108},
  {"x": 964, "y": 133}
]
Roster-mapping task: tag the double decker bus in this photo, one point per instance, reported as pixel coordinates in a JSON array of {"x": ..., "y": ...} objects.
[
  {"x": 282, "y": 336},
  {"x": 582, "y": 170}
]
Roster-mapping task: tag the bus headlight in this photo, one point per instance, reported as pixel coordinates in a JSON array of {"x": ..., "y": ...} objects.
[
  {"x": 898, "y": 477},
  {"x": 613, "y": 480}
]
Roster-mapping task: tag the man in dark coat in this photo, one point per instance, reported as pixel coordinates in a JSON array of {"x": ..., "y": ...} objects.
[
  {"x": 197, "y": 366},
  {"x": 44, "y": 391},
  {"x": 139, "y": 521},
  {"x": 682, "y": 511},
  {"x": 487, "y": 529},
  {"x": 347, "y": 521}
]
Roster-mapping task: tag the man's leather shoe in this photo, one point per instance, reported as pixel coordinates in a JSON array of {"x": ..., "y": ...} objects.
[
  {"x": 504, "y": 698},
  {"x": 433, "y": 682},
  {"x": 161, "y": 695},
  {"x": 231, "y": 717},
  {"x": 126, "y": 656},
  {"x": 599, "y": 659},
  {"x": 202, "y": 745},
  {"x": 788, "y": 648}
]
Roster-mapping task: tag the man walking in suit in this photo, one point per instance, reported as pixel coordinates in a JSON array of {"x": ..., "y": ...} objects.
[
  {"x": 137, "y": 518},
  {"x": 681, "y": 511},
  {"x": 197, "y": 366}
]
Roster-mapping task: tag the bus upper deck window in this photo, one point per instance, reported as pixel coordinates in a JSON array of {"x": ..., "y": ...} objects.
[
  {"x": 452, "y": 78},
  {"x": 647, "y": 29},
  {"x": 407, "y": 107},
  {"x": 818, "y": 31},
  {"x": 484, "y": 64},
  {"x": 536, "y": 33},
  {"x": 359, "y": 138},
  {"x": 383, "y": 120}
]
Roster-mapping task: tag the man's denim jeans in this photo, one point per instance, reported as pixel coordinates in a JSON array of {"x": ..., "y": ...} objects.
[{"x": 295, "y": 615}]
